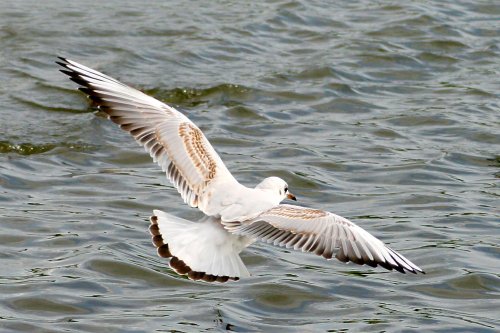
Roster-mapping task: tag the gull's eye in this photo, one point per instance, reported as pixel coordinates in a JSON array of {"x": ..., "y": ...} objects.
[{"x": 286, "y": 189}]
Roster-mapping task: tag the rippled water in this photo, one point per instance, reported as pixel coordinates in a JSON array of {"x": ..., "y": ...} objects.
[{"x": 385, "y": 113}]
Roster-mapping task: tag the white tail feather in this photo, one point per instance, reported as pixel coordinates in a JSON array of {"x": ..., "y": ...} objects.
[{"x": 205, "y": 246}]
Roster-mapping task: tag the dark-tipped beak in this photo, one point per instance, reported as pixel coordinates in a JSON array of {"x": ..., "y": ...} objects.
[{"x": 291, "y": 196}]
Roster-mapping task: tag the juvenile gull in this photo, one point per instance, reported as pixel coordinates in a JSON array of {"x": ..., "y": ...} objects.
[{"x": 236, "y": 216}]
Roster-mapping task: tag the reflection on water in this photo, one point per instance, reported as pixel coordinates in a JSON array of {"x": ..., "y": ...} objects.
[{"x": 384, "y": 113}]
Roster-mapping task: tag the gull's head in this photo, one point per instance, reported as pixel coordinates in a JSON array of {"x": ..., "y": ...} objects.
[{"x": 277, "y": 186}]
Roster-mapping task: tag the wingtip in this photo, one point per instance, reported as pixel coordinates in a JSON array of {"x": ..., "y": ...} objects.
[
  {"x": 65, "y": 71},
  {"x": 414, "y": 270},
  {"x": 64, "y": 60}
]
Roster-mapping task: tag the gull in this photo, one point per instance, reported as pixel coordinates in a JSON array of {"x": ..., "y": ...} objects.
[{"x": 235, "y": 215}]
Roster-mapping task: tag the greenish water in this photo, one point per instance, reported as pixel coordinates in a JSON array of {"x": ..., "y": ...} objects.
[{"x": 385, "y": 113}]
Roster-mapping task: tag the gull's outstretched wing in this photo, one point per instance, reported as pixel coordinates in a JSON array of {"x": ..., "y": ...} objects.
[
  {"x": 322, "y": 233},
  {"x": 172, "y": 140}
]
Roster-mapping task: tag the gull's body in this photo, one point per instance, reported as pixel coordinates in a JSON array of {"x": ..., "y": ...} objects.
[{"x": 236, "y": 215}]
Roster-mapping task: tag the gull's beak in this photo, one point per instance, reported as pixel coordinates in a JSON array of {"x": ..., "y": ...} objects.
[{"x": 291, "y": 196}]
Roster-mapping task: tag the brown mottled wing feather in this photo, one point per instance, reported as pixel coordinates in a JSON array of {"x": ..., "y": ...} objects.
[
  {"x": 322, "y": 233},
  {"x": 172, "y": 140}
]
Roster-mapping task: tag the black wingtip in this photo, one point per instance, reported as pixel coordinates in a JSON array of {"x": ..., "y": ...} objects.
[
  {"x": 400, "y": 269},
  {"x": 64, "y": 71},
  {"x": 62, "y": 58},
  {"x": 86, "y": 90},
  {"x": 64, "y": 63}
]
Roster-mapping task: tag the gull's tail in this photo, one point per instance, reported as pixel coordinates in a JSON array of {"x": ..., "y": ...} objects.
[{"x": 201, "y": 250}]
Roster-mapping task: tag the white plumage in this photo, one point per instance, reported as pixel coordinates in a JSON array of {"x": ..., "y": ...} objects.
[
  {"x": 236, "y": 215},
  {"x": 204, "y": 246}
]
